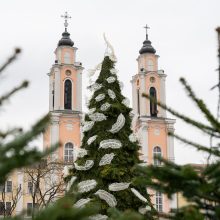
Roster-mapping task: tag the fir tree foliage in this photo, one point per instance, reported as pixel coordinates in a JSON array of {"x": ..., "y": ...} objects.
[{"x": 104, "y": 171}]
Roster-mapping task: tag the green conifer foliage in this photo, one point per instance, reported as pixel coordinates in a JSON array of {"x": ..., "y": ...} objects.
[{"x": 109, "y": 150}]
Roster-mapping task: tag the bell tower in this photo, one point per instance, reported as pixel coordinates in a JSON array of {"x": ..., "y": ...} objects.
[
  {"x": 65, "y": 99},
  {"x": 150, "y": 122}
]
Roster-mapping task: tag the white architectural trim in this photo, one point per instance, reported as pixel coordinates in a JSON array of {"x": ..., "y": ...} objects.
[
  {"x": 57, "y": 89},
  {"x": 143, "y": 101},
  {"x": 144, "y": 142}
]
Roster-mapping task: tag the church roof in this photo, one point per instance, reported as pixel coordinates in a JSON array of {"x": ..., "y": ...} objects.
[
  {"x": 147, "y": 47},
  {"x": 65, "y": 40}
]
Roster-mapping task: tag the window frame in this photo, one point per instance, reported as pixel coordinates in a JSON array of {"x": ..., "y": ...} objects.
[
  {"x": 159, "y": 201},
  {"x": 68, "y": 155},
  {"x": 157, "y": 162}
]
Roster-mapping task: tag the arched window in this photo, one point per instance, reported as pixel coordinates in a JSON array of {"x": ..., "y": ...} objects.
[
  {"x": 153, "y": 104},
  {"x": 150, "y": 65},
  {"x": 68, "y": 94},
  {"x": 159, "y": 201},
  {"x": 157, "y": 153},
  {"x": 67, "y": 58},
  {"x": 68, "y": 152}
]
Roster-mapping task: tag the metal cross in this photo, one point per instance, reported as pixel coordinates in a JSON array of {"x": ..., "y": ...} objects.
[
  {"x": 146, "y": 27},
  {"x": 66, "y": 17}
]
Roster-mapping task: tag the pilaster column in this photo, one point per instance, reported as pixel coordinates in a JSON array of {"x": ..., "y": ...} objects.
[
  {"x": 54, "y": 134},
  {"x": 57, "y": 88},
  {"x": 170, "y": 144},
  {"x": 143, "y": 101}
]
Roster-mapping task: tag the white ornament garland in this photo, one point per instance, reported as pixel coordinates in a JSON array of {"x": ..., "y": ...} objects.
[
  {"x": 106, "y": 159},
  {"x": 119, "y": 124},
  {"x": 88, "y": 125},
  {"x": 136, "y": 193},
  {"x": 126, "y": 102},
  {"x": 86, "y": 186},
  {"x": 91, "y": 139},
  {"x": 111, "y": 94},
  {"x": 118, "y": 186},
  {"x": 111, "y": 79},
  {"x": 81, "y": 153},
  {"x": 108, "y": 197},
  {"x": 95, "y": 87},
  {"x": 81, "y": 203},
  {"x": 98, "y": 217},
  {"x": 88, "y": 165},
  {"x": 70, "y": 183},
  {"x": 97, "y": 117},
  {"x": 132, "y": 138},
  {"x": 105, "y": 106},
  {"x": 113, "y": 71},
  {"x": 100, "y": 97},
  {"x": 110, "y": 143}
]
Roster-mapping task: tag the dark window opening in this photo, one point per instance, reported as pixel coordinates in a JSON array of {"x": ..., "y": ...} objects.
[
  {"x": 53, "y": 98},
  {"x": 68, "y": 95},
  {"x": 153, "y": 103},
  {"x": 138, "y": 101}
]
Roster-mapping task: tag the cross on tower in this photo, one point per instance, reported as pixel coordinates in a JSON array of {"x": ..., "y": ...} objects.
[
  {"x": 146, "y": 27},
  {"x": 66, "y": 17}
]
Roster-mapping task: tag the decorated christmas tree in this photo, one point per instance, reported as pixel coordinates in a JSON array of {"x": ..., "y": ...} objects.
[{"x": 103, "y": 171}]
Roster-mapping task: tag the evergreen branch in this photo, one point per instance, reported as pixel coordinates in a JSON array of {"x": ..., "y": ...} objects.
[
  {"x": 10, "y": 132},
  {"x": 10, "y": 59},
  {"x": 13, "y": 91},
  {"x": 205, "y": 128},
  {"x": 199, "y": 147},
  {"x": 201, "y": 105}
]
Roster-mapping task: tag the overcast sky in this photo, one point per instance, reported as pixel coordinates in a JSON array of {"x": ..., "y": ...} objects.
[{"x": 181, "y": 31}]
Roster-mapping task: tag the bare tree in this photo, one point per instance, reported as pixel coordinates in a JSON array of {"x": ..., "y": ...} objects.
[
  {"x": 44, "y": 182},
  {"x": 11, "y": 198}
]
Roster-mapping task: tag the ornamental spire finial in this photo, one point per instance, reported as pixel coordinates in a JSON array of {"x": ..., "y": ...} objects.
[
  {"x": 146, "y": 27},
  {"x": 66, "y": 17}
]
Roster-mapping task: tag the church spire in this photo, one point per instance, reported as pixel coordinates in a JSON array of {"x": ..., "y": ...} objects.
[
  {"x": 65, "y": 40},
  {"x": 147, "y": 47}
]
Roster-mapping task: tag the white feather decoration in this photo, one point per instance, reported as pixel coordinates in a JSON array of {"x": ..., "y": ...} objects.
[
  {"x": 81, "y": 203},
  {"x": 111, "y": 53},
  {"x": 100, "y": 97},
  {"x": 86, "y": 186},
  {"x": 97, "y": 117},
  {"x": 113, "y": 71},
  {"x": 119, "y": 124},
  {"x": 111, "y": 79},
  {"x": 91, "y": 139},
  {"x": 108, "y": 197},
  {"x": 91, "y": 72},
  {"x": 110, "y": 143},
  {"x": 91, "y": 111},
  {"x": 126, "y": 102},
  {"x": 88, "y": 165},
  {"x": 136, "y": 193},
  {"x": 70, "y": 183},
  {"x": 98, "y": 217},
  {"x": 118, "y": 186},
  {"x": 105, "y": 106},
  {"x": 106, "y": 159},
  {"x": 121, "y": 84},
  {"x": 95, "y": 87},
  {"x": 132, "y": 137},
  {"x": 66, "y": 171},
  {"x": 88, "y": 125},
  {"x": 81, "y": 152},
  {"x": 111, "y": 94}
]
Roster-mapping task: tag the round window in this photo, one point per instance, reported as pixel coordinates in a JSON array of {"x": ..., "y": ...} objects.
[
  {"x": 68, "y": 72},
  {"x": 152, "y": 79}
]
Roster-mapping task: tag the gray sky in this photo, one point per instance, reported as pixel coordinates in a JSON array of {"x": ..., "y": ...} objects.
[{"x": 181, "y": 31}]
